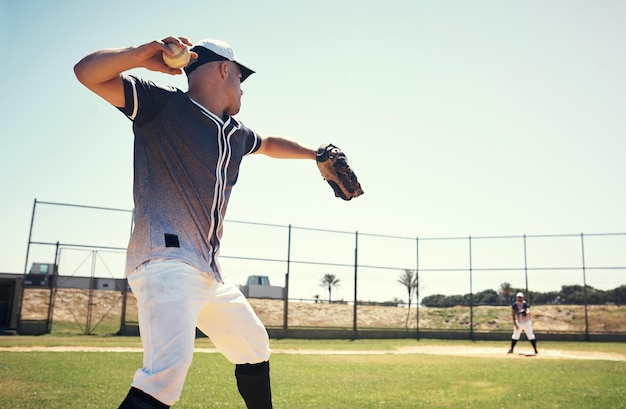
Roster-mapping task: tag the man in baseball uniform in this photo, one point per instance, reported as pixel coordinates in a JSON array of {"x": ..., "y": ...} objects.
[
  {"x": 522, "y": 322},
  {"x": 187, "y": 151}
]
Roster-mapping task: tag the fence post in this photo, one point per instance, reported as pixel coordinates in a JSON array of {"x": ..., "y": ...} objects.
[
  {"x": 471, "y": 291},
  {"x": 123, "y": 312},
  {"x": 286, "y": 295},
  {"x": 582, "y": 247},
  {"x": 92, "y": 283},
  {"x": 417, "y": 289},
  {"x": 53, "y": 288},
  {"x": 526, "y": 272},
  {"x": 30, "y": 236},
  {"x": 356, "y": 281}
]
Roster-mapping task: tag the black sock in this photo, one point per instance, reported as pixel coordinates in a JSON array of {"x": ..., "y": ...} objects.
[
  {"x": 513, "y": 342},
  {"x": 253, "y": 382},
  {"x": 138, "y": 399},
  {"x": 534, "y": 344}
]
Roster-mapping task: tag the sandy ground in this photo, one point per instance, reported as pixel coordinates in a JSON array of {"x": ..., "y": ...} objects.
[
  {"x": 467, "y": 351},
  {"x": 71, "y": 305}
]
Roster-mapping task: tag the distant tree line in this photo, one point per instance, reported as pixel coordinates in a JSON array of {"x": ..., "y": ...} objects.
[{"x": 568, "y": 295}]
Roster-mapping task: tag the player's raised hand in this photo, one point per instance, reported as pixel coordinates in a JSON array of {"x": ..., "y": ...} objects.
[
  {"x": 150, "y": 55},
  {"x": 101, "y": 71}
]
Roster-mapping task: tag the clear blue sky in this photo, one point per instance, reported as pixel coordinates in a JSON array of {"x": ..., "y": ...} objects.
[{"x": 460, "y": 118}]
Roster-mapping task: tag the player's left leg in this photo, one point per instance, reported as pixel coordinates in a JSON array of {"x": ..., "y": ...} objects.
[{"x": 237, "y": 332}]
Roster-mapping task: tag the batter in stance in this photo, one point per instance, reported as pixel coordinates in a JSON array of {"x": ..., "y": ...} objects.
[
  {"x": 522, "y": 321},
  {"x": 187, "y": 152}
]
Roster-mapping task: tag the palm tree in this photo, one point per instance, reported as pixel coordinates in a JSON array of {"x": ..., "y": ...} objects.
[
  {"x": 506, "y": 291},
  {"x": 411, "y": 283},
  {"x": 329, "y": 281}
]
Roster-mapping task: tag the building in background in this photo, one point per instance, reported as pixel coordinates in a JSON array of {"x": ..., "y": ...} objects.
[{"x": 259, "y": 287}]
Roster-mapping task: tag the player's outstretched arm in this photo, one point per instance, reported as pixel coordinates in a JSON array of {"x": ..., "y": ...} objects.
[
  {"x": 100, "y": 71},
  {"x": 330, "y": 160},
  {"x": 285, "y": 148}
]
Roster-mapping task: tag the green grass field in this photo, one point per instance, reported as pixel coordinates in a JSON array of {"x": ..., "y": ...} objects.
[{"x": 86, "y": 380}]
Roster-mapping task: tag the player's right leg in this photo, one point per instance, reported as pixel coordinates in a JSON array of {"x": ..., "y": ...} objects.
[
  {"x": 170, "y": 295},
  {"x": 253, "y": 384},
  {"x": 517, "y": 333},
  {"x": 138, "y": 399}
]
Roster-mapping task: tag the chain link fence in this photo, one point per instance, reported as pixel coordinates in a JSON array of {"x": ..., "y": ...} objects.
[{"x": 88, "y": 294}]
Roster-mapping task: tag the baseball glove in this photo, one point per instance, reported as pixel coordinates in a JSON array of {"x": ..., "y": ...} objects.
[{"x": 333, "y": 165}]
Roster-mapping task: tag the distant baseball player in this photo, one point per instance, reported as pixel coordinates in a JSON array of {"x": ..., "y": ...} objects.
[
  {"x": 522, "y": 322},
  {"x": 187, "y": 151}
]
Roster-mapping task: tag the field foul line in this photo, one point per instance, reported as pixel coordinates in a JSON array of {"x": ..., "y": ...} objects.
[{"x": 450, "y": 351}]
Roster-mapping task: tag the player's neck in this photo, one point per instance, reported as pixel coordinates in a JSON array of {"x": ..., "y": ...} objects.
[{"x": 209, "y": 105}]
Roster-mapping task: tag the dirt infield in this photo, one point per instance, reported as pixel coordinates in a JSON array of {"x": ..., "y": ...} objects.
[{"x": 466, "y": 351}]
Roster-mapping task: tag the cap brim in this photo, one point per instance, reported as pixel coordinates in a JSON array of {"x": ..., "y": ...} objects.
[{"x": 245, "y": 71}]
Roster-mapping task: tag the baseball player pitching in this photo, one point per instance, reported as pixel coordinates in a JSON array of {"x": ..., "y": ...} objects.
[
  {"x": 187, "y": 152},
  {"x": 522, "y": 322}
]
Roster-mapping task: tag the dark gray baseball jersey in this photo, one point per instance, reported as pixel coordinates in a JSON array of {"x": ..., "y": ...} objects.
[{"x": 186, "y": 162}]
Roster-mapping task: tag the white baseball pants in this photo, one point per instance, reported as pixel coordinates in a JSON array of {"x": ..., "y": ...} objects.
[
  {"x": 527, "y": 327},
  {"x": 173, "y": 298}
]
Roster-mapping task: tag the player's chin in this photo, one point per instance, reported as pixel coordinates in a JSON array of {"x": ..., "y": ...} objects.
[{"x": 233, "y": 110}]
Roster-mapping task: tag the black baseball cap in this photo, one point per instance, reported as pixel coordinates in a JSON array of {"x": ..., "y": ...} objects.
[{"x": 210, "y": 50}]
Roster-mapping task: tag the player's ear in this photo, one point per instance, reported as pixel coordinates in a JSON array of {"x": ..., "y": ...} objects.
[{"x": 224, "y": 69}]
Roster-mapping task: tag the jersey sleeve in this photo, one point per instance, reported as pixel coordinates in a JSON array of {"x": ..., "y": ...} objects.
[
  {"x": 143, "y": 99},
  {"x": 251, "y": 140}
]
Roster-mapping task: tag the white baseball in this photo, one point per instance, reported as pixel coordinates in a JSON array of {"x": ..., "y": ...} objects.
[{"x": 180, "y": 58}]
